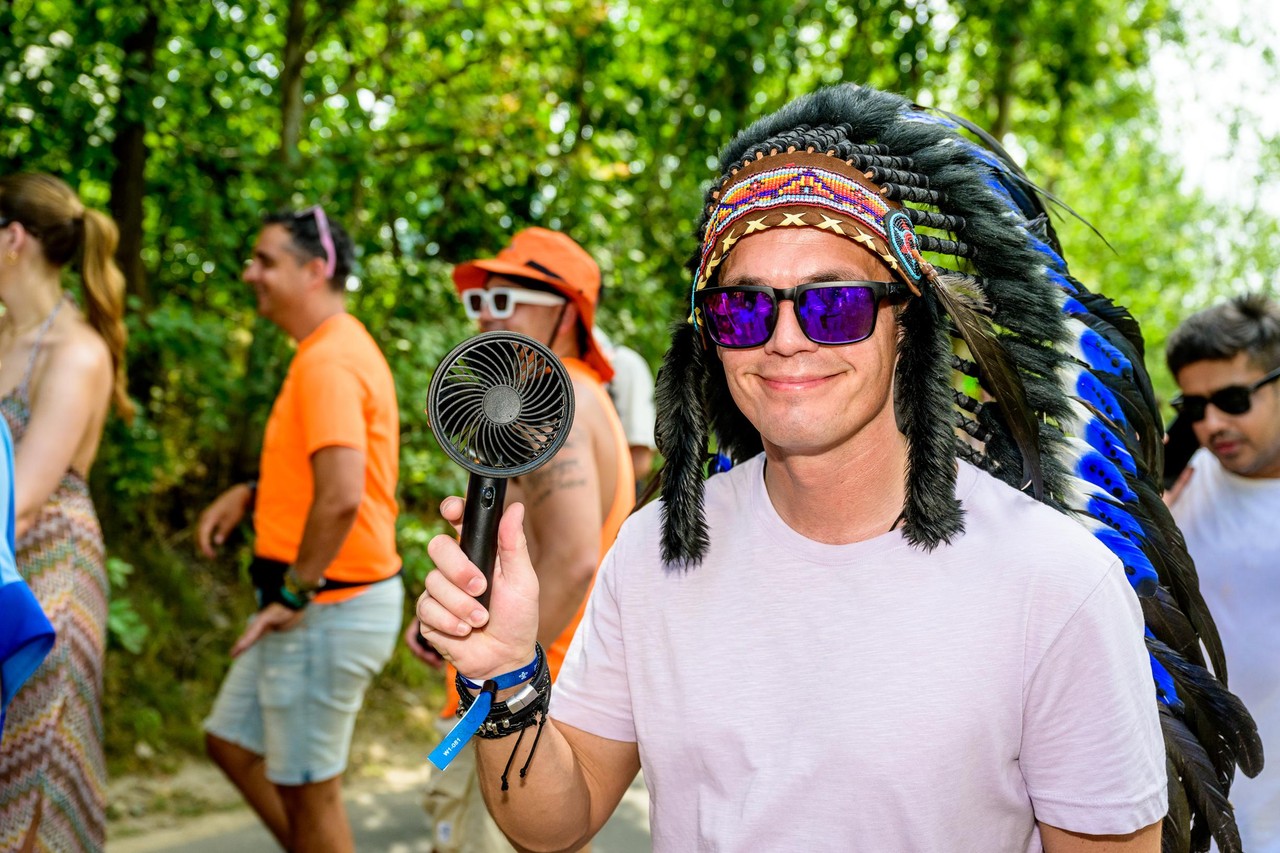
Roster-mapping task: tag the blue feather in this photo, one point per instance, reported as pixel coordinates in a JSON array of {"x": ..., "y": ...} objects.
[
  {"x": 1112, "y": 515},
  {"x": 1055, "y": 260},
  {"x": 1060, "y": 280},
  {"x": 1095, "y": 468},
  {"x": 1071, "y": 305},
  {"x": 1083, "y": 497},
  {"x": 922, "y": 117},
  {"x": 1142, "y": 575},
  {"x": 1001, "y": 192},
  {"x": 1103, "y": 440},
  {"x": 1166, "y": 692},
  {"x": 1097, "y": 352},
  {"x": 718, "y": 464},
  {"x": 1087, "y": 388}
]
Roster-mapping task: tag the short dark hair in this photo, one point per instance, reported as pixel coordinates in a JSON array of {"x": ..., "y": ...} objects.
[
  {"x": 304, "y": 230},
  {"x": 1248, "y": 324}
]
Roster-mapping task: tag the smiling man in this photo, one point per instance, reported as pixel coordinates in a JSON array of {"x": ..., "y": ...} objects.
[
  {"x": 868, "y": 634},
  {"x": 1226, "y": 360},
  {"x": 325, "y": 566}
]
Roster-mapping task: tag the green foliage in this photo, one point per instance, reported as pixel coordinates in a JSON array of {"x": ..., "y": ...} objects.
[
  {"x": 433, "y": 129},
  {"x": 124, "y": 626}
]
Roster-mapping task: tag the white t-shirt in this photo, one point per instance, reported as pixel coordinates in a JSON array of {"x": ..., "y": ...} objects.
[
  {"x": 791, "y": 695},
  {"x": 631, "y": 390},
  {"x": 1232, "y": 527}
]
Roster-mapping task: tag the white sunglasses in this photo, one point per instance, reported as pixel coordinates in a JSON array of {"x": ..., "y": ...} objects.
[{"x": 502, "y": 301}]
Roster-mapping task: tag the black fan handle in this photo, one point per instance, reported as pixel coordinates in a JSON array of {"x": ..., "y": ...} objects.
[{"x": 480, "y": 526}]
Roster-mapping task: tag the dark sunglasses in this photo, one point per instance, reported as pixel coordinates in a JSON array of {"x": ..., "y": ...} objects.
[
  {"x": 1232, "y": 400},
  {"x": 828, "y": 312}
]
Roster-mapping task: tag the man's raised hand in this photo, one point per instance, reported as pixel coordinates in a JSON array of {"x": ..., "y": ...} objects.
[{"x": 481, "y": 643}]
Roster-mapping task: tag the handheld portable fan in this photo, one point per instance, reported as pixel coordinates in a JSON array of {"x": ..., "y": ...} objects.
[{"x": 501, "y": 405}]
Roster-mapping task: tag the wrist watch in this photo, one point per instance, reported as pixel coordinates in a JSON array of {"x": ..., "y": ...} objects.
[{"x": 299, "y": 590}]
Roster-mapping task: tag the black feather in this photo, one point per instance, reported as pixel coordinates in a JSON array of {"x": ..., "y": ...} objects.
[
  {"x": 922, "y": 403},
  {"x": 681, "y": 434},
  {"x": 1175, "y": 833},
  {"x": 1180, "y": 575},
  {"x": 1227, "y": 720},
  {"x": 1171, "y": 626},
  {"x": 1194, "y": 771},
  {"x": 1000, "y": 376}
]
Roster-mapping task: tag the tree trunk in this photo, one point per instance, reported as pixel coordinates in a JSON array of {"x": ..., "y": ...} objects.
[
  {"x": 295, "y": 60},
  {"x": 1002, "y": 85},
  {"x": 129, "y": 149}
]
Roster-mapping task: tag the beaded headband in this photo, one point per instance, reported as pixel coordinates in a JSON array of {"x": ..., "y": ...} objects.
[{"x": 804, "y": 189}]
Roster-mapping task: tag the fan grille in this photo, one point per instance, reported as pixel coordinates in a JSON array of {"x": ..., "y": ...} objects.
[{"x": 500, "y": 404}]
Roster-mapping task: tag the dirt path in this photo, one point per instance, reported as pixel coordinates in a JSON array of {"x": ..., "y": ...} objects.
[
  {"x": 195, "y": 810},
  {"x": 386, "y": 815}
]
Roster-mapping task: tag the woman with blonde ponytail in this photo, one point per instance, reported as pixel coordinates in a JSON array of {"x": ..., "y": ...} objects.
[{"x": 61, "y": 371}]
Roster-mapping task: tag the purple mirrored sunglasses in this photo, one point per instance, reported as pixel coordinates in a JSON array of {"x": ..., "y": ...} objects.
[{"x": 831, "y": 313}]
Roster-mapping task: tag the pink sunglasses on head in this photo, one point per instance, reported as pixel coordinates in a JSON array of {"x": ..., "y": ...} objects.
[{"x": 326, "y": 237}]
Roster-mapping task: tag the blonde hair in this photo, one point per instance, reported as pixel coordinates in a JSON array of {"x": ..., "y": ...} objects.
[{"x": 53, "y": 213}]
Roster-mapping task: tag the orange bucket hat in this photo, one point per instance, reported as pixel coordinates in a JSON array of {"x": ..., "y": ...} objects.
[{"x": 557, "y": 261}]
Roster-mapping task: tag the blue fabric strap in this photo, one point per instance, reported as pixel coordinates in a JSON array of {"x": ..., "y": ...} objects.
[
  {"x": 511, "y": 679},
  {"x": 470, "y": 722},
  {"x": 447, "y": 750}
]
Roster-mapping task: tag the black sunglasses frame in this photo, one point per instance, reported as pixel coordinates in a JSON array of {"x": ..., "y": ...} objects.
[
  {"x": 1193, "y": 408},
  {"x": 879, "y": 289}
]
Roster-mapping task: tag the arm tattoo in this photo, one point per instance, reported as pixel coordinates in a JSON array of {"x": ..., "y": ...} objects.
[{"x": 565, "y": 472}]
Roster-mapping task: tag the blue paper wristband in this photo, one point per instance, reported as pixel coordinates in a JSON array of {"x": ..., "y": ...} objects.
[
  {"x": 461, "y": 733},
  {"x": 511, "y": 679},
  {"x": 470, "y": 722}
]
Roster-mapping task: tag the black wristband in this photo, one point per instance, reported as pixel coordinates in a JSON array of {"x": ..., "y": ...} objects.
[
  {"x": 502, "y": 720},
  {"x": 271, "y": 585}
]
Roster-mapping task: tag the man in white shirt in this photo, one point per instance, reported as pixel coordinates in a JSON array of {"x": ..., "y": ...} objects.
[
  {"x": 853, "y": 640},
  {"x": 1226, "y": 360}
]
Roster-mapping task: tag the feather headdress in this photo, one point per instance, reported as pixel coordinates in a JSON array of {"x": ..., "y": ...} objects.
[{"x": 1056, "y": 401}]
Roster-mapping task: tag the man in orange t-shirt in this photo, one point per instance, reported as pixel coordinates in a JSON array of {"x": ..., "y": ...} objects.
[
  {"x": 546, "y": 286},
  {"x": 325, "y": 565}
]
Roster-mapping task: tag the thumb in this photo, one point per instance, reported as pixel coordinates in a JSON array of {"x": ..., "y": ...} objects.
[
  {"x": 250, "y": 636},
  {"x": 513, "y": 551}
]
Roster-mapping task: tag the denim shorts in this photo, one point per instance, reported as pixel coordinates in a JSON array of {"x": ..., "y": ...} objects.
[{"x": 294, "y": 695}]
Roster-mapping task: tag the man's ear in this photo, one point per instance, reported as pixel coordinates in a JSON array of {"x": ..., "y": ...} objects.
[
  {"x": 315, "y": 273},
  {"x": 568, "y": 321}
]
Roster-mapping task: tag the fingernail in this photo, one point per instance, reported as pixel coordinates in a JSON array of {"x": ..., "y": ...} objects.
[
  {"x": 477, "y": 616},
  {"x": 476, "y": 586},
  {"x": 464, "y": 628}
]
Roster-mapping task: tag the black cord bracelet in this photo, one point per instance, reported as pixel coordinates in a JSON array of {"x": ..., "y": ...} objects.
[
  {"x": 503, "y": 718},
  {"x": 523, "y": 710}
]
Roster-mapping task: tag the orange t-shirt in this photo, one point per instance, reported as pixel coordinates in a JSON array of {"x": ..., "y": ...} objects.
[
  {"x": 338, "y": 393},
  {"x": 624, "y": 499}
]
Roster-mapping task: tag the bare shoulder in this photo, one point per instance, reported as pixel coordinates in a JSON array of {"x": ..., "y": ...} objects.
[
  {"x": 588, "y": 412},
  {"x": 80, "y": 351}
]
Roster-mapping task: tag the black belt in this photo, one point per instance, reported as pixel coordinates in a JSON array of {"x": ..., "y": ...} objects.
[{"x": 267, "y": 576}]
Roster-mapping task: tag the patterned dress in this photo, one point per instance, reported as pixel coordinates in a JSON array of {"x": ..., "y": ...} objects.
[{"x": 51, "y": 756}]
